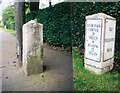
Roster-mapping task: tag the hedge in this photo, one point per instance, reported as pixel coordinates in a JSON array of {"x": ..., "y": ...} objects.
[
  {"x": 56, "y": 23},
  {"x": 80, "y": 10},
  {"x": 66, "y": 21}
]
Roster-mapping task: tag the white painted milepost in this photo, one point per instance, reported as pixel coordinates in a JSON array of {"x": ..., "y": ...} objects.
[
  {"x": 99, "y": 42},
  {"x": 93, "y": 35},
  {"x": 109, "y": 39}
]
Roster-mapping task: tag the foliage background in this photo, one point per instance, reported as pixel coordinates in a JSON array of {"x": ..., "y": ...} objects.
[
  {"x": 56, "y": 22},
  {"x": 82, "y": 9},
  {"x": 65, "y": 22},
  {"x": 8, "y": 17}
]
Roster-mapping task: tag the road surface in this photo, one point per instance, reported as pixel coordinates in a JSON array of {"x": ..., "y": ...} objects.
[{"x": 56, "y": 77}]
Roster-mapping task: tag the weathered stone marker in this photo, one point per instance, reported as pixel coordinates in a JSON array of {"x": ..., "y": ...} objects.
[
  {"x": 99, "y": 42},
  {"x": 32, "y": 47}
]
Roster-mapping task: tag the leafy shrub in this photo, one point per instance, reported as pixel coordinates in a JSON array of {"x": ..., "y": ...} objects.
[
  {"x": 8, "y": 17},
  {"x": 82, "y": 9},
  {"x": 56, "y": 22},
  {"x": 66, "y": 21}
]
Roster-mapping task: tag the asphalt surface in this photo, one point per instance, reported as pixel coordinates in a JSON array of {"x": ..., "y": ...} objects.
[{"x": 56, "y": 77}]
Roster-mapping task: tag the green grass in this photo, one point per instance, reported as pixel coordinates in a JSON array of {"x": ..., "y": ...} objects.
[
  {"x": 85, "y": 80},
  {"x": 12, "y": 32}
]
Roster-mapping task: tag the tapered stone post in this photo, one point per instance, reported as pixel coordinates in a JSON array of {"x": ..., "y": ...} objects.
[
  {"x": 99, "y": 42},
  {"x": 32, "y": 47}
]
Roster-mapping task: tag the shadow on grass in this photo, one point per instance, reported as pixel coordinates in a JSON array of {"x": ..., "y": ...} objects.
[{"x": 116, "y": 68}]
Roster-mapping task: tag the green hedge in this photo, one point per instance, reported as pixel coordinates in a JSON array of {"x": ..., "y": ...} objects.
[
  {"x": 56, "y": 22},
  {"x": 80, "y": 10},
  {"x": 66, "y": 21}
]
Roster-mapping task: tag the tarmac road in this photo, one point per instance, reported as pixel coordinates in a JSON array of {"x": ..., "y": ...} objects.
[{"x": 56, "y": 77}]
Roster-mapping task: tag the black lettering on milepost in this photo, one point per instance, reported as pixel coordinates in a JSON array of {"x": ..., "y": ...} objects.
[
  {"x": 92, "y": 49},
  {"x": 92, "y": 53},
  {"x": 93, "y": 37},
  {"x": 92, "y": 45},
  {"x": 109, "y": 49},
  {"x": 109, "y": 39},
  {"x": 89, "y": 25},
  {"x": 94, "y": 25},
  {"x": 97, "y": 25},
  {"x": 93, "y": 29}
]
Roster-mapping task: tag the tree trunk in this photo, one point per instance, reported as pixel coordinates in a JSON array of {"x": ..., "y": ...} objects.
[
  {"x": 50, "y": 3},
  {"x": 19, "y": 21}
]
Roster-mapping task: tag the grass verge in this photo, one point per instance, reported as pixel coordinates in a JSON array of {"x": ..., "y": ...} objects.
[
  {"x": 85, "y": 80},
  {"x": 12, "y": 32}
]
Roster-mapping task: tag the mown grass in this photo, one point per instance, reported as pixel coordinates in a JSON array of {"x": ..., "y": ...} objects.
[
  {"x": 12, "y": 32},
  {"x": 85, "y": 80}
]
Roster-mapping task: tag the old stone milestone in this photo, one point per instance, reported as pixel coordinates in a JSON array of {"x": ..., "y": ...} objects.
[
  {"x": 32, "y": 47},
  {"x": 99, "y": 42}
]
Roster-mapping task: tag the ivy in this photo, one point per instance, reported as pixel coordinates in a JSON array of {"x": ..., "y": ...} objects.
[
  {"x": 65, "y": 22},
  {"x": 56, "y": 22}
]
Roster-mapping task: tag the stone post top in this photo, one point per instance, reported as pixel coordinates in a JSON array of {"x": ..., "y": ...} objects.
[
  {"x": 100, "y": 15},
  {"x": 33, "y": 22}
]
